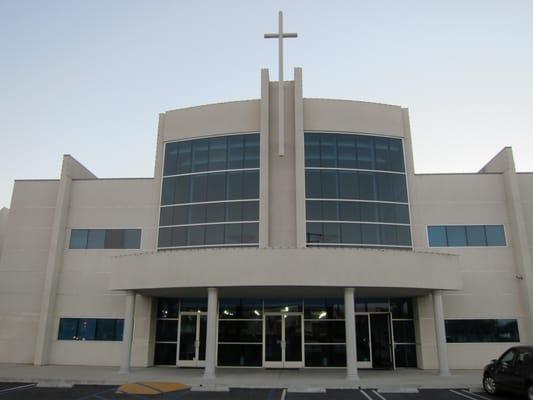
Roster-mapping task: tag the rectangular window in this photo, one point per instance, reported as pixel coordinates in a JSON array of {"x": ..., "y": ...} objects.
[
  {"x": 324, "y": 308},
  {"x": 325, "y": 355},
  {"x": 456, "y": 236},
  {"x": 319, "y": 331},
  {"x": 104, "y": 329},
  {"x": 78, "y": 238},
  {"x": 481, "y": 330},
  {"x": 240, "y": 355},
  {"x": 466, "y": 235},
  {"x": 105, "y": 239},
  {"x": 240, "y": 309},
  {"x": 201, "y": 157},
  {"x": 362, "y": 177},
  {"x": 211, "y": 154},
  {"x": 245, "y": 331},
  {"x": 208, "y": 235}
]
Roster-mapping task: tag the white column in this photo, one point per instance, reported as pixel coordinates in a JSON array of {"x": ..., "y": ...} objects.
[
  {"x": 351, "y": 344},
  {"x": 211, "y": 337},
  {"x": 442, "y": 351},
  {"x": 128, "y": 332}
]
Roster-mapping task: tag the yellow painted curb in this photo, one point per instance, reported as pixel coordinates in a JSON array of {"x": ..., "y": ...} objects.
[
  {"x": 165, "y": 387},
  {"x": 151, "y": 387}
]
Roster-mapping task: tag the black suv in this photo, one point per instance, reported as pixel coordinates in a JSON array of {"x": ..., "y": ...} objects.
[{"x": 512, "y": 372}]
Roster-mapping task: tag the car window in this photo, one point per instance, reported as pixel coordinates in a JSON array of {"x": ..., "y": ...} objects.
[
  {"x": 524, "y": 357},
  {"x": 508, "y": 357}
]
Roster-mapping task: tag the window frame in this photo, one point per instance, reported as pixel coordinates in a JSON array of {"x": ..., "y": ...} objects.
[
  {"x": 86, "y": 248},
  {"x": 467, "y": 247},
  {"x": 207, "y": 172},
  {"x": 377, "y": 171},
  {"x": 515, "y": 319},
  {"x": 76, "y": 338}
]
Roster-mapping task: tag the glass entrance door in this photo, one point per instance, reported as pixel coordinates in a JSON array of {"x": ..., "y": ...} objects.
[
  {"x": 283, "y": 340},
  {"x": 381, "y": 341},
  {"x": 191, "y": 339},
  {"x": 362, "y": 334}
]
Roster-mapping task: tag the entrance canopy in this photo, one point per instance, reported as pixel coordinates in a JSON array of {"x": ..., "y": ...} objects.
[{"x": 402, "y": 270}]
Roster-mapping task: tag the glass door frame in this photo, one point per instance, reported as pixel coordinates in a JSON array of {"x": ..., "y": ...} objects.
[
  {"x": 194, "y": 362},
  {"x": 365, "y": 364},
  {"x": 283, "y": 363},
  {"x": 391, "y": 338}
]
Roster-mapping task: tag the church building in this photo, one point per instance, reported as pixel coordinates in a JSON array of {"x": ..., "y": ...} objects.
[{"x": 281, "y": 232}]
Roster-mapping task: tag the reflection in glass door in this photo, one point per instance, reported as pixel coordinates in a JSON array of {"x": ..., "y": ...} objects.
[
  {"x": 283, "y": 340},
  {"x": 362, "y": 334},
  {"x": 381, "y": 340},
  {"x": 191, "y": 339}
]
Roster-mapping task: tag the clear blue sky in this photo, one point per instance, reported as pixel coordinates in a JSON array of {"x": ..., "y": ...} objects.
[{"x": 89, "y": 78}]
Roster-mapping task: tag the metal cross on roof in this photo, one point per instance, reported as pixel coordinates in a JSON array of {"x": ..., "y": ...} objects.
[{"x": 281, "y": 114}]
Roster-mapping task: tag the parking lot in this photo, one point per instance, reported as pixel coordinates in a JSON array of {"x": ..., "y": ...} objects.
[{"x": 23, "y": 391}]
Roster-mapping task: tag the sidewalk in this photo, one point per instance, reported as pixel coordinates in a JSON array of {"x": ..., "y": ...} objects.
[{"x": 241, "y": 378}]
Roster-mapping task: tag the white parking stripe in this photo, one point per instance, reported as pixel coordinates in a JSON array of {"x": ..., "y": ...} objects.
[
  {"x": 365, "y": 394},
  {"x": 379, "y": 395},
  {"x": 464, "y": 395},
  {"x": 283, "y": 394},
  {"x": 476, "y": 395},
  {"x": 17, "y": 388}
]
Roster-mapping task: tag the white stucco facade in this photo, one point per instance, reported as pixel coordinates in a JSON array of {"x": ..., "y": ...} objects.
[{"x": 43, "y": 279}]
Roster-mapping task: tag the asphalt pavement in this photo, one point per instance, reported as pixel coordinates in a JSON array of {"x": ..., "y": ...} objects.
[{"x": 25, "y": 391}]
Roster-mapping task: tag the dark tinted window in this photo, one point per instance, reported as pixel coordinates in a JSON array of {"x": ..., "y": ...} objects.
[
  {"x": 401, "y": 307},
  {"x": 318, "y": 331},
  {"x": 437, "y": 236},
  {"x": 353, "y": 151},
  {"x": 240, "y": 308},
  {"x": 346, "y": 166},
  {"x": 466, "y": 235},
  {"x": 217, "y": 154},
  {"x": 212, "y": 189},
  {"x": 240, "y": 355},
  {"x": 325, "y": 355},
  {"x": 166, "y": 330},
  {"x": 105, "y": 239},
  {"x": 240, "y": 331},
  {"x": 78, "y": 238},
  {"x": 106, "y": 329},
  {"x": 216, "y": 187},
  {"x": 251, "y": 151},
  {"x": 481, "y": 330},
  {"x": 200, "y": 155},
  {"x": 168, "y": 308},
  {"x": 456, "y": 236},
  {"x": 325, "y": 308},
  {"x": 404, "y": 331},
  {"x": 495, "y": 235},
  {"x": 96, "y": 239},
  {"x": 212, "y": 154},
  {"x": 165, "y": 354},
  {"x": 90, "y": 329},
  {"x": 405, "y": 355},
  {"x": 475, "y": 235},
  {"x": 235, "y": 152},
  {"x": 68, "y": 329}
]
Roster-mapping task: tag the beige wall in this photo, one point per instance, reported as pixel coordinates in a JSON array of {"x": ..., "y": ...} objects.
[
  {"x": 82, "y": 288},
  {"x": 4, "y": 212},
  {"x": 23, "y": 266},
  {"x": 470, "y": 199}
]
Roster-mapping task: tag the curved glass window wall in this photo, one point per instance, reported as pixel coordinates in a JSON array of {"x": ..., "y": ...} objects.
[
  {"x": 210, "y": 193},
  {"x": 356, "y": 191}
]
